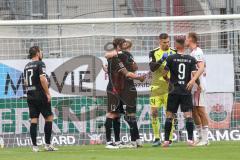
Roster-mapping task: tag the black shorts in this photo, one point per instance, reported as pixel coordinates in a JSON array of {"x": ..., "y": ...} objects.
[
  {"x": 174, "y": 100},
  {"x": 129, "y": 99},
  {"x": 114, "y": 102},
  {"x": 125, "y": 101},
  {"x": 37, "y": 106}
]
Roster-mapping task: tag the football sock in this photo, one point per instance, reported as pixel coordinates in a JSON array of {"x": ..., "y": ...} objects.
[
  {"x": 156, "y": 127},
  {"x": 189, "y": 127},
  {"x": 48, "y": 132},
  {"x": 168, "y": 128},
  {"x": 116, "y": 128},
  {"x": 108, "y": 127},
  {"x": 33, "y": 133}
]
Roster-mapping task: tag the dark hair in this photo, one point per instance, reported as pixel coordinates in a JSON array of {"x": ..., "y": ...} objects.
[
  {"x": 194, "y": 36},
  {"x": 180, "y": 41},
  {"x": 33, "y": 51},
  {"x": 118, "y": 42},
  {"x": 163, "y": 36}
]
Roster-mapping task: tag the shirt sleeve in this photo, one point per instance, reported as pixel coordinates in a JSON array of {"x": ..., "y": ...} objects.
[
  {"x": 152, "y": 62},
  {"x": 199, "y": 55},
  {"x": 42, "y": 69},
  {"x": 117, "y": 64}
]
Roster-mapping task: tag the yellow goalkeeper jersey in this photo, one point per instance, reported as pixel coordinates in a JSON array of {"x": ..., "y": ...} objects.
[{"x": 157, "y": 70}]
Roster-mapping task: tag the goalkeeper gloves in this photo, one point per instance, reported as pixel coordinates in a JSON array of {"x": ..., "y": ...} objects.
[{"x": 164, "y": 57}]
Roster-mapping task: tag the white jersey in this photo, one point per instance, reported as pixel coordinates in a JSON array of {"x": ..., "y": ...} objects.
[{"x": 198, "y": 54}]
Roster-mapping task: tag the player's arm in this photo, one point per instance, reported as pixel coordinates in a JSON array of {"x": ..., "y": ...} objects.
[
  {"x": 194, "y": 73},
  {"x": 133, "y": 64},
  {"x": 166, "y": 70},
  {"x": 200, "y": 64},
  {"x": 153, "y": 64},
  {"x": 125, "y": 72},
  {"x": 43, "y": 80}
]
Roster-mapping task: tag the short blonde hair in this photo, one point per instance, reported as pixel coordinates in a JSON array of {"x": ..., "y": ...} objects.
[{"x": 127, "y": 44}]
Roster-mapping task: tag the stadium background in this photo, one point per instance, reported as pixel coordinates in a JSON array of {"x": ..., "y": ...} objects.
[{"x": 79, "y": 120}]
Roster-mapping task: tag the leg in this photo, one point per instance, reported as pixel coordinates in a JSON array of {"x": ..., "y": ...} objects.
[
  {"x": 155, "y": 104},
  {"x": 132, "y": 122},
  {"x": 164, "y": 99},
  {"x": 196, "y": 116},
  {"x": 33, "y": 131},
  {"x": 113, "y": 103},
  {"x": 197, "y": 121},
  {"x": 155, "y": 122},
  {"x": 46, "y": 111},
  {"x": 172, "y": 107},
  {"x": 48, "y": 129},
  {"x": 186, "y": 108},
  {"x": 204, "y": 119},
  {"x": 34, "y": 114},
  {"x": 189, "y": 125},
  {"x": 116, "y": 122},
  {"x": 110, "y": 117},
  {"x": 168, "y": 125}
]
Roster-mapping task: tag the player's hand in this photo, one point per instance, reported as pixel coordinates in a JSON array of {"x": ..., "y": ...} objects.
[
  {"x": 164, "y": 57},
  {"x": 190, "y": 85},
  {"x": 49, "y": 98},
  {"x": 142, "y": 78}
]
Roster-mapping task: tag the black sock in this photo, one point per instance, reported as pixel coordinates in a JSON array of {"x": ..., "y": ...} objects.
[
  {"x": 136, "y": 131},
  {"x": 189, "y": 127},
  {"x": 48, "y": 132},
  {"x": 33, "y": 133},
  {"x": 132, "y": 122},
  {"x": 116, "y": 128},
  {"x": 168, "y": 127},
  {"x": 108, "y": 127}
]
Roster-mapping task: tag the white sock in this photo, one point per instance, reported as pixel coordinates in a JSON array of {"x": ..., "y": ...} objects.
[
  {"x": 199, "y": 131},
  {"x": 205, "y": 133}
]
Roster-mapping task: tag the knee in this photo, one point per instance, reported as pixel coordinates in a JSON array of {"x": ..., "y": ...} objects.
[
  {"x": 189, "y": 119},
  {"x": 49, "y": 118},
  {"x": 34, "y": 120},
  {"x": 130, "y": 119},
  {"x": 154, "y": 113},
  {"x": 112, "y": 115},
  {"x": 169, "y": 120},
  {"x": 169, "y": 115}
]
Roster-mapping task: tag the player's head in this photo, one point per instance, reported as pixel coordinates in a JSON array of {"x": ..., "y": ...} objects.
[
  {"x": 179, "y": 44},
  {"x": 164, "y": 41},
  {"x": 118, "y": 43},
  {"x": 191, "y": 39},
  {"x": 35, "y": 52},
  {"x": 127, "y": 45}
]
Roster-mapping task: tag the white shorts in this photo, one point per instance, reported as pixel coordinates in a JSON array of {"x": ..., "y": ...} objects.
[{"x": 199, "y": 99}]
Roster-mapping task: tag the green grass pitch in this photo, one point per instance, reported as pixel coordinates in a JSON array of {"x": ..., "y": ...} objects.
[{"x": 179, "y": 151}]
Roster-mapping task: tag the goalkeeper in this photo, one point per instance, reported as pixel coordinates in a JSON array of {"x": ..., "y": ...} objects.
[{"x": 159, "y": 87}]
